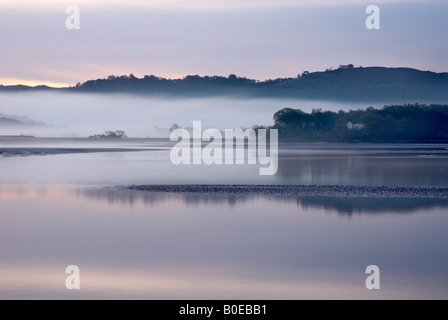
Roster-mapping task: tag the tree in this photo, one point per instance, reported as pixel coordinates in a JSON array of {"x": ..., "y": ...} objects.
[
  {"x": 287, "y": 116},
  {"x": 118, "y": 134},
  {"x": 348, "y": 66}
]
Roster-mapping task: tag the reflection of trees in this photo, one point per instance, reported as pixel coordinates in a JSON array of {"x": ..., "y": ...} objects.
[
  {"x": 340, "y": 205},
  {"x": 350, "y": 206},
  {"x": 407, "y": 167},
  {"x": 115, "y": 196}
]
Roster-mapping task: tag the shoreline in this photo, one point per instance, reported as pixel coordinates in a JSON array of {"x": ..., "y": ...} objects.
[{"x": 26, "y": 152}]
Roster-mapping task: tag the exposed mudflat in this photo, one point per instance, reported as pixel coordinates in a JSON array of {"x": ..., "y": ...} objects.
[{"x": 302, "y": 190}]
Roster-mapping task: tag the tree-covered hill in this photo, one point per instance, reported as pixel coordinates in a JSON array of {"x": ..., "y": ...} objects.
[{"x": 346, "y": 83}]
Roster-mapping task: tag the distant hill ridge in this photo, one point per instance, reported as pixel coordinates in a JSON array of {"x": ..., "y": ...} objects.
[
  {"x": 347, "y": 83},
  {"x": 13, "y": 121}
]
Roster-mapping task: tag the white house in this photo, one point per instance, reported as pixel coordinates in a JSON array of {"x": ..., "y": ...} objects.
[{"x": 355, "y": 126}]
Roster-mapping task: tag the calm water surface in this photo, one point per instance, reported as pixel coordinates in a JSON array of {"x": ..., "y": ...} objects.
[{"x": 55, "y": 211}]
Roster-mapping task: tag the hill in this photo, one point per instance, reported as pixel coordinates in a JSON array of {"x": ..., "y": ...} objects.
[
  {"x": 7, "y": 121},
  {"x": 346, "y": 83}
]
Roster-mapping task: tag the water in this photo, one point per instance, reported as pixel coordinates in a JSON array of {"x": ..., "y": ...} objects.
[
  {"x": 326, "y": 164},
  {"x": 61, "y": 210}
]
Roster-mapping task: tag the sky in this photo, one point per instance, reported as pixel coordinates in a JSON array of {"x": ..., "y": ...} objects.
[{"x": 259, "y": 39}]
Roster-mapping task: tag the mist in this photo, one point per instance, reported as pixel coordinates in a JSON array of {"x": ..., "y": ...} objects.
[{"x": 83, "y": 115}]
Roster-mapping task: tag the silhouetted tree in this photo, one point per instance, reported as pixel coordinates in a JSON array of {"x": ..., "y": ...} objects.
[{"x": 119, "y": 134}]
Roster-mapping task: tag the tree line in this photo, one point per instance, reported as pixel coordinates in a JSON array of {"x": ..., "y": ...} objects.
[
  {"x": 346, "y": 83},
  {"x": 393, "y": 123}
]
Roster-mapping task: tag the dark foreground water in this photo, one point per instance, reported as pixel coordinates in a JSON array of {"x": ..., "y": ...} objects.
[{"x": 55, "y": 211}]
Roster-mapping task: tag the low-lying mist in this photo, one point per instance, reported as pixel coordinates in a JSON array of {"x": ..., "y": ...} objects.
[{"x": 83, "y": 115}]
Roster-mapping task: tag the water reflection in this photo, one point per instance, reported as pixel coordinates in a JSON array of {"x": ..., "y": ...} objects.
[
  {"x": 350, "y": 206},
  {"x": 130, "y": 198},
  {"x": 339, "y": 205},
  {"x": 332, "y": 164},
  {"x": 406, "y": 166},
  {"x": 177, "y": 246}
]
